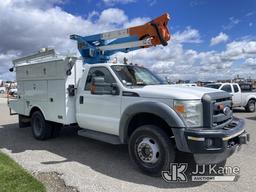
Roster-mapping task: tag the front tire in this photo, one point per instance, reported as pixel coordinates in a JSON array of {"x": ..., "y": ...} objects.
[
  {"x": 41, "y": 128},
  {"x": 250, "y": 107},
  {"x": 151, "y": 150}
]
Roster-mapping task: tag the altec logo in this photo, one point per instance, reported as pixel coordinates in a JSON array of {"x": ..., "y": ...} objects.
[{"x": 177, "y": 173}]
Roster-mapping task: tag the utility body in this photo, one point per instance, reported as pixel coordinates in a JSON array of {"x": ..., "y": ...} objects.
[{"x": 125, "y": 104}]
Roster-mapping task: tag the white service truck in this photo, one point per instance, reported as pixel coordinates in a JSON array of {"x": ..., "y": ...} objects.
[
  {"x": 126, "y": 104},
  {"x": 246, "y": 99}
]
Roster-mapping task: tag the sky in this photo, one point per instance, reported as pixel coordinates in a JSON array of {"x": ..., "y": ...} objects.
[{"x": 209, "y": 39}]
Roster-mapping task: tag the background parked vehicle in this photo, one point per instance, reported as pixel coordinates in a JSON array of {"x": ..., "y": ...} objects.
[
  {"x": 2, "y": 90},
  {"x": 246, "y": 87},
  {"x": 13, "y": 92},
  {"x": 240, "y": 98}
]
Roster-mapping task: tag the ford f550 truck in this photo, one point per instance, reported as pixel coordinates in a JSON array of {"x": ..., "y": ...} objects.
[{"x": 125, "y": 104}]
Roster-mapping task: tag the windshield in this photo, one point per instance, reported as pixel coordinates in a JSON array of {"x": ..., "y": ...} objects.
[
  {"x": 214, "y": 86},
  {"x": 131, "y": 75}
]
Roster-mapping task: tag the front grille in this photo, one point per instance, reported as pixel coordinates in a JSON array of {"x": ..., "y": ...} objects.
[
  {"x": 222, "y": 99},
  {"x": 214, "y": 105}
]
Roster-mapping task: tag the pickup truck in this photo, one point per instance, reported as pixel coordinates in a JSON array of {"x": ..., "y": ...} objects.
[
  {"x": 239, "y": 98},
  {"x": 126, "y": 104}
]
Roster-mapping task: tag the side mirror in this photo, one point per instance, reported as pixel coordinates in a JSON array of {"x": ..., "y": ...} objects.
[{"x": 100, "y": 87}]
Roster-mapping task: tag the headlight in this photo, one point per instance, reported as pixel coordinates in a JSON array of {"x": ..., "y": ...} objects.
[{"x": 191, "y": 112}]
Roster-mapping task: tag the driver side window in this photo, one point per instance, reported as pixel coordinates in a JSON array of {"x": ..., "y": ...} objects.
[{"x": 98, "y": 72}]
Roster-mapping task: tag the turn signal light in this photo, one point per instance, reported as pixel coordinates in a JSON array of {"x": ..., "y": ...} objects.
[
  {"x": 180, "y": 108},
  {"x": 221, "y": 106}
]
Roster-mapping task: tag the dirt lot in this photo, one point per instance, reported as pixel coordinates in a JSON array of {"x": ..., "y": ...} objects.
[{"x": 90, "y": 165}]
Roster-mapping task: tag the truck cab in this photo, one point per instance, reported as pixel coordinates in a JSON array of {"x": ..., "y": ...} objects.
[{"x": 120, "y": 99}]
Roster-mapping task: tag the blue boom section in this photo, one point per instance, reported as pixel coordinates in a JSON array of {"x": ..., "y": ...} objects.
[
  {"x": 98, "y": 48},
  {"x": 88, "y": 47}
]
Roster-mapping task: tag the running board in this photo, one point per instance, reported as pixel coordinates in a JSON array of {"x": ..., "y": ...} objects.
[{"x": 107, "y": 138}]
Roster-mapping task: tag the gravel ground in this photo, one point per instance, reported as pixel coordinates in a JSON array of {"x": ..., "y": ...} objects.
[
  {"x": 90, "y": 165},
  {"x": 53, "y": 182}
]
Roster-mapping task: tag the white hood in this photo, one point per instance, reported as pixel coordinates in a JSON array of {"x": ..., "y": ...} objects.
[{"x": 173, "y": 92}]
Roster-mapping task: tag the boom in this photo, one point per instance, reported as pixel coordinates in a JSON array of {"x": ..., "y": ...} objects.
[{"x": 97, "y": 48}]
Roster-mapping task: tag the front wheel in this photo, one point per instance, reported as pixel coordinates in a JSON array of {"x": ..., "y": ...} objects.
[
  {"x": 151, "y": 149},
  {"x": 250, "y": 107}
]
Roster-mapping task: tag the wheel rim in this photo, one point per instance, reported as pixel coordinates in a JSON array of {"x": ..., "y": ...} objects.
[
  {"x": 148, "y": 150},
  {"x": 252, "y": 106},
  {"x": 38, "y": 126}
]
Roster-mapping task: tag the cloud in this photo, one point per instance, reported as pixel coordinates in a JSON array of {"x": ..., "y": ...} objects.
[
  {"x": 232, "y": 23},
  {"x": 41, "y": 4},
  {"x": 239, "y": 50},
  {"x": 29, "y": 27},
  {"x": 152, "y": 2},
  {"x": 251, "y": 62},
  {"x": 176, "y": 62},
  {"x": 249, "y": 14},
  {"x": 249, "y": 67},
  {"x": 195, "y": 3},
  {"x": 222, "y": 37},
  {"x": 136, "y": 22},
  {"x": 113, "y": 2},
  {"x": 189, "y": 35},
  {"x": 112, "y": 16}
]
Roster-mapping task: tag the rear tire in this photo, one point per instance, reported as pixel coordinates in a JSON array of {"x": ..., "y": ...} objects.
[
  {"x": 250, "y": 107},
  {"x": 41, "y": 128},
  {"x": 151, "y": 150}
]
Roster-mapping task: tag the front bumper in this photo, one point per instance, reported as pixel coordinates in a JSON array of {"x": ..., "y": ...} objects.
[{"x": 213, "y": 145}]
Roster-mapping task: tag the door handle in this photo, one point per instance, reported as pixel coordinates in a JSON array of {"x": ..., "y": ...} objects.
[{"x": 81, "y": 99}]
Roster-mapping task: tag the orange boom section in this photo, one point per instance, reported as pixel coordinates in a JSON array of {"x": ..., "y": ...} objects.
[{"x": 156, "y": 29}]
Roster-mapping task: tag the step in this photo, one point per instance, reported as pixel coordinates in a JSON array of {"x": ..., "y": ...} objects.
[{"x": 108, "y": 138}]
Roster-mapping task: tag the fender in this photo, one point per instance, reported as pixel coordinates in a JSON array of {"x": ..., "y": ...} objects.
[
  {"x": 249, "y": 97},
  {"x": 160, "y": 109},
  {"x": 36, "y": 106}
]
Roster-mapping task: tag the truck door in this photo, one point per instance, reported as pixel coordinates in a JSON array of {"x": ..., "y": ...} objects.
[
  {"x": 99, "y": 112},
  {"x": 236, "y": 98}
]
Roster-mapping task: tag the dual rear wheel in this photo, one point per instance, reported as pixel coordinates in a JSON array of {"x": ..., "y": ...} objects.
[{"x": 43, "y": 129}]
